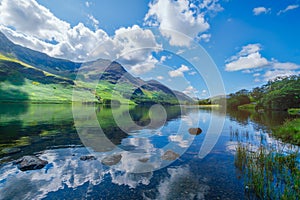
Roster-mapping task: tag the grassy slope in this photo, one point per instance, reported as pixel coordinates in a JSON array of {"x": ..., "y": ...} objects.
[
  {"x": 23, "y": 82},
  {"x": 20, "y": 82},
  {"x": 289, "y": 131}
]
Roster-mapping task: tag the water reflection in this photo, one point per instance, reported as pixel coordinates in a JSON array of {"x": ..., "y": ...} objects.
[
  {"x": 159, "y": 134},
  {"x": 49, "y": 131},
  {"x": 261, "y": 120}
]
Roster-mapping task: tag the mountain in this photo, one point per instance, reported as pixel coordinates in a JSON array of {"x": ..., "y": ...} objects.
[
  {"x": 37, "y": 59},
  {"x": 28, "y": 75}
]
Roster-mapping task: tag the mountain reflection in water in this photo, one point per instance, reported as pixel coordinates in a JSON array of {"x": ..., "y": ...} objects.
[{"x": 49, "y": 131}]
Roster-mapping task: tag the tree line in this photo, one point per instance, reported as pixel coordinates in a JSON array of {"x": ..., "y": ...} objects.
[{"x": 281, "y": 93}]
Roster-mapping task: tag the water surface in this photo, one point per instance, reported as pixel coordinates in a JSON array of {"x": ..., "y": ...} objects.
[{"x": 142, "y": 171}]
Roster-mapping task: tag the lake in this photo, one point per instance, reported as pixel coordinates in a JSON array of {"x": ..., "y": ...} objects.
[{"x": 140, "y": 152}]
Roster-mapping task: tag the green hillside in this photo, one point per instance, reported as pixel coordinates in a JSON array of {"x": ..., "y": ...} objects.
[
  {"x": 31, "y": 76},
  {"x": 20, "y": 82}
]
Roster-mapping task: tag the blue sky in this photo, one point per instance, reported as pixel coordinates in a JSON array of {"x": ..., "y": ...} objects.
[{"x": 250, "y": 41}]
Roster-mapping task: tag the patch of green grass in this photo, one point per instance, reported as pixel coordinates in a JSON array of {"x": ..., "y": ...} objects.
[
  {"x": 289, "y": 131},
  {"x": 294, "y": 111},
  {"x": 108, "y": 91},
  {"x": 250, "y": 106},
  {"x": 46, "y": 133},
  {"x": 39, "y": 93}
]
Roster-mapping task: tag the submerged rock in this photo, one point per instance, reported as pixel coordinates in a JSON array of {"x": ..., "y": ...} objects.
[
  {"x": 170, "y": 155},
  {"x": 87, "y": 158},
  {"x": 195, "y": 131},
  {"x": 30, "y": 163},
  {"x": 143, "y": 160},
  {"x": 111, "y": 160},
  {"x": 11, "y": 150}
]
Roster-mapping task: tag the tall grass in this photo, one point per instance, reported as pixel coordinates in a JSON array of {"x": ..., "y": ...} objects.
[{"x": 269, "y": 173}]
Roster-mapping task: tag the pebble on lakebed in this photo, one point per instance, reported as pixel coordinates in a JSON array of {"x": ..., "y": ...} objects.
[
  {"x": 89, "y": 157},
  {"x": 170, "y": 155},
  {"x": 195, "y": 131},
  {"x": 111, "y": 160},
  {"x": 30, "y": 163}
]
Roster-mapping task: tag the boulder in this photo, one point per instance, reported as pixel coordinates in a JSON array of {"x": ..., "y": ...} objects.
[
  {"x": 195, "y": 131},
  {"x": 111, "y": 160},
  {"x": 89, "y": 157},
  {"x": 30, "y": 163}
]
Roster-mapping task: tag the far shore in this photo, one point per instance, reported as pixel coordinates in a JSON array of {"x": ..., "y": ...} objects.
[
  {"x": 208, "y": 106},
  {"x": 77, "y": 102}
]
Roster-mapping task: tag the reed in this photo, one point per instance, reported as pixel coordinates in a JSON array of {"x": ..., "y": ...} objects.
[{"x": 269, "y": 172}]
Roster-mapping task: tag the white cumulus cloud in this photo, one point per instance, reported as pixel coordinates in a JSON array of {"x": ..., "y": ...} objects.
[
  {"x": 205, "y": 37},
  {"x": 180, "y": 21},
  {"x": 28, "y": 17},
  {"x": 261, "y": 10},
  {"x": 191, "y": 91},
  {"x": 179, "y": 72},
  {"x": 248, "y": 58},
  {"x": 30, "y": 24},
  {"x": 160, "y": 77}
]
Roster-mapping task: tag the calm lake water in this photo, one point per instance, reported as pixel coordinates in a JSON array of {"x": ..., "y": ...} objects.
[{"x": 153, "y": 158}]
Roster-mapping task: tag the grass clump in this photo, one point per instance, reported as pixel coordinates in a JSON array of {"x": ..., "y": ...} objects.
[
  {"x": 268, "y": 173},
  {"x": 250, "y": 106},
  {"x": 294, "y": 111}
]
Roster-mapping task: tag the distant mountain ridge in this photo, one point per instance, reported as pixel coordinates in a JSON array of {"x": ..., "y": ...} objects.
[{"x": 19, "y": 61}]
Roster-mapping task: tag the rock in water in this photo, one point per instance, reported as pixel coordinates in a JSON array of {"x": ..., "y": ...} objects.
[
  {"x": 111, "y": 160},
  {"x": 30, "y": 163},
  {"x": 87, "y": 158},
  {"x": 195, "y": 131},
  {"x": 170, "y": 155},
  {"x": 143, "y": 160}
]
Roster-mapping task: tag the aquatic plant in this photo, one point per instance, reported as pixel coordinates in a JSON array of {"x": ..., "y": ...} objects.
[{"x": 268, "y": 172}]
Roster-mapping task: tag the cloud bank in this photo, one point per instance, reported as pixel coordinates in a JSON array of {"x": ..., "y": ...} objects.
[{"x": 250, "y": 60}]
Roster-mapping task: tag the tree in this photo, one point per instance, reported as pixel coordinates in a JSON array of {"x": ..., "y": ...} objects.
[
  {"x": 282, "y": 93},
  {"x": 236, "y": 100},
  {"x": 257, "y": 93}
]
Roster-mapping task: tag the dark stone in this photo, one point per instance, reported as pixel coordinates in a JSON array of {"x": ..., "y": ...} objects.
[
  {"x": 143, "y": 160},
  {"x": 112, "y": 160},
  {"x": 170, "y": 155},
  {"x": 195, "y": 131},
  {"x": 30, "y": 163},
  {"x": 84, "y": 158},
  {"x": 11, "y": 150}
]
